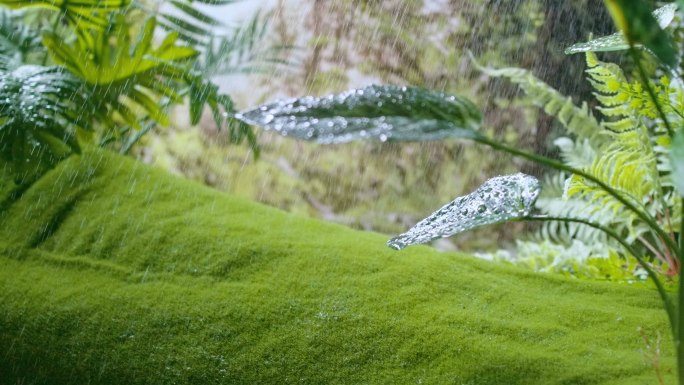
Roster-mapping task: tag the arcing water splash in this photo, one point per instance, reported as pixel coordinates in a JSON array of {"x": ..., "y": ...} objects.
[{"x": 500, "y": 199}]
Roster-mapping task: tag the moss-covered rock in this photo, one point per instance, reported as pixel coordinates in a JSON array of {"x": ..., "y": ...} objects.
[{"x": 115, "y": 273}]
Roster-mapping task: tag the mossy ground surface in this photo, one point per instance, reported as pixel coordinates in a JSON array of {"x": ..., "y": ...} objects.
[{"x": 115, "y": 273}]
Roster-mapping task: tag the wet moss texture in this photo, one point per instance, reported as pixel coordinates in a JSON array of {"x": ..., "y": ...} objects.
[{"x": 116, "y": 273}]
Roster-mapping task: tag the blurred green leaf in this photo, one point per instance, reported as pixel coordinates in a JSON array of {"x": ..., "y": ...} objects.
[
  {"x": 18, "y": 40},
  {"x": 677, "y": 160},
  {"x": 37, "y": 120},
  {"x": 639, "y": 26},
  {"x": 616, "y": 42},
  {"x": 244, "y": 49},
  {"x": 376, "y": 112},
  {"x": 112, "y": 57},
  {"x": 82, "y": 14},
  {"x": 195, "y": 13}
]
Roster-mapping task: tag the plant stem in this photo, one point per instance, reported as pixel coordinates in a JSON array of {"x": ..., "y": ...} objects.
[
  {"x": 540, "y": 159},
  {"x": 663, "y": 258},
  {"x": 679, "y": 251},
  {"x": 667, "y": 301}
]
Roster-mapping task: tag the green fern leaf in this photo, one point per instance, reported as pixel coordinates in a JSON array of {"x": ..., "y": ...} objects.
[{"x": 577, "y": 120}]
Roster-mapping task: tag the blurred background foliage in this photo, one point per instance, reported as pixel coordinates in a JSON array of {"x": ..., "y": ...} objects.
[
  {"x": 350, "y": 43},
  {"x": 106, "y": 72}
]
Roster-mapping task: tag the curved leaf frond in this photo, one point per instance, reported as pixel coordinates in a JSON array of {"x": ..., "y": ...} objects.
[
  {"x": 579, "y": 121},
  {"x": 385, "y": 113},
  {"x": 628, "y": 162}
]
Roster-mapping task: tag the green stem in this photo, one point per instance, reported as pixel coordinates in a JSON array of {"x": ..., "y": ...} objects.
[
  {"x": 679, "y": 321},
  {"x": 540, "y": 159},
  {"x": 667, "y": 301}
]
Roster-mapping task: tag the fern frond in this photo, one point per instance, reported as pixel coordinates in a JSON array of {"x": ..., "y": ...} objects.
[
  {"x": 629, "y": 163},
  {"x": 620, "y": 126},
  {"x": 630, "y": 172},
  {"x": 554, "y": 203},
  {"x": 622, "y": 170},
  {"x": 575, "y": 153},
  {"x": 244, "y": 49},
  {"x": 577, "y": 120}
]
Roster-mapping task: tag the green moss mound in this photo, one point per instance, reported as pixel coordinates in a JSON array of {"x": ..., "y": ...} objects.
[{"x": 115, "y": 273}]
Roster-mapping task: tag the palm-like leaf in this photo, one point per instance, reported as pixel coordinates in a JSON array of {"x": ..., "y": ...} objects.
[
  {"x": 126, "y": 76},
  {"x": 130, "y": 82},
  {"x": 82, "y": 14},
  {"x": 201, "y": 93},
  {"x": 112, "y": 56},
  {"x": 39, "y": 117},
  {"x": 223, "y": 49},
  {"x": 193, "y": 25},
  {"x": 242, "y": 50}
]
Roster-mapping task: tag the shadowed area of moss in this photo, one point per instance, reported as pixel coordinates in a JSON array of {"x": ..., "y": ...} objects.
[{"x": 115, "y": 273}]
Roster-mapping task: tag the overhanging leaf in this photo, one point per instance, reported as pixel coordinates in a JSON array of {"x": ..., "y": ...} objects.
[
  {"x": 617, "y": 42},
  {"x": 677, "y": 160},
  {"x": 614, "y": 42},
  {"x": 386, "y": 113},
  {"x": 640, "y": 26},
  {"x": 500, "y": 199}
]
